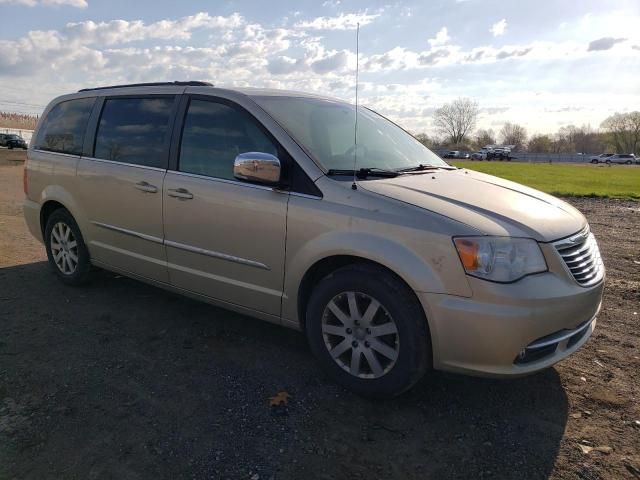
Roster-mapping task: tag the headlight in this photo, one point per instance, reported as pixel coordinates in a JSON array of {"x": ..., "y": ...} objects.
[{"x": 500, "y": 259}]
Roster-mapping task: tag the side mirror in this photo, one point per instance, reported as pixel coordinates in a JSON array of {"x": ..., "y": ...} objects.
[{"x": 257, "y": 167}]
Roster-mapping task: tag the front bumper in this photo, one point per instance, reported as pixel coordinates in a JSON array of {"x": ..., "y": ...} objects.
[{"x": 511, "y": 329}]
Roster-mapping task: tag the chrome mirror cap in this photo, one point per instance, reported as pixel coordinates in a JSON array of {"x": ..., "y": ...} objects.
[{"x": 257, "y": 167}]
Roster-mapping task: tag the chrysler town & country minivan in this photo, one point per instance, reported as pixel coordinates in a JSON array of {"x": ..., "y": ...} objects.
[{"x": 391, "y": 261}]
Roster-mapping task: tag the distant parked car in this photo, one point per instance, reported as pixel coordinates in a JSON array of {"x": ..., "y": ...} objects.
[
  {"x": 3, "y": 139},
  {"x": 479, "y": 156},
  {"x": 626, "y": 158},
  {"x": 600, "y": 158},
  {"x": 499, "y": 154},
  {"x": 15, "y": 141},
  {"x": 456, "y": 154}
]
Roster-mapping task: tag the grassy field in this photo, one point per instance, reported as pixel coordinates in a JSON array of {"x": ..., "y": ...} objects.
[{"x": 617, "y": 181}]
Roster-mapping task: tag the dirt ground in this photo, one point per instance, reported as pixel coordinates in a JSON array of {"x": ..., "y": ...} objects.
[{"x": 123, "y": 380}]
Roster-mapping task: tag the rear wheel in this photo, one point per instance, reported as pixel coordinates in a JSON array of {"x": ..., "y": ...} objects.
[
  {"x": 368, "y": 331},
  {"x": 628, "y": 162},
  {"x": 66, "y": 250}
]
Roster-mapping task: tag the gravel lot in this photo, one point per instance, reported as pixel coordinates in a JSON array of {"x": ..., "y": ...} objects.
[{"x": 123, "y": 380}]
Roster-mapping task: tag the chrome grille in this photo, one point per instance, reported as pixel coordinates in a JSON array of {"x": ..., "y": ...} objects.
[{"x": 581, "y": 255}]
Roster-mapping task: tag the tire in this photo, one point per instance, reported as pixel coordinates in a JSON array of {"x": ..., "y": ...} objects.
[
  {"x": 628, "y": 162},
  {"x": 398, "y": 308},
  {"x": 608, "y": 162},
  {"x": 59, "y": 245},
  {"x": 10, "y": 147}
]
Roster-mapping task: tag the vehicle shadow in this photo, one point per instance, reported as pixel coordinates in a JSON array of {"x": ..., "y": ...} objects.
[{"x": 120, "y": 379}]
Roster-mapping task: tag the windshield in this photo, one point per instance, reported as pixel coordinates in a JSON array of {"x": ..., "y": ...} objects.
[{"x": 325, "y": 129}]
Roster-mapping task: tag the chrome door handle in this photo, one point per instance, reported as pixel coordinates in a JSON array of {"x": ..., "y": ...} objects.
[
  {"x": 181, "y": 193},
  {"x": 146, "y": 187}
]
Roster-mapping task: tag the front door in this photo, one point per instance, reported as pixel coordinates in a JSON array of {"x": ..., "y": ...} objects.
[{"x": 224, "y": 238}]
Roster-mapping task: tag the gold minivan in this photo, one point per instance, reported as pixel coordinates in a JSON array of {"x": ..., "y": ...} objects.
[{"x": 390, "y": 260}]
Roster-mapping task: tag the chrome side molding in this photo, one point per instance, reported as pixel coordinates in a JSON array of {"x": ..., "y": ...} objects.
[{"x": 219, "y": 255}]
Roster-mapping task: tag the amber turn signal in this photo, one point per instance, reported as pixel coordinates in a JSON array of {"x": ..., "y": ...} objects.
[{"x": 468, "y": 251}]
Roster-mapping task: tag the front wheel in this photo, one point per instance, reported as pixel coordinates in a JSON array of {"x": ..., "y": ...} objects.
[
  {"x": 67, "y": 253},
  {"x": 368, "y": 330}
]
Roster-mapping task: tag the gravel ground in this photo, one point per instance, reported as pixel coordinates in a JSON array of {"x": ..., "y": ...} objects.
[{"x": 123, "y": 380}]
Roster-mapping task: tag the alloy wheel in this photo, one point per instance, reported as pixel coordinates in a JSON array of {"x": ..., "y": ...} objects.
[
  {"x": 360, "y": 335},
  {"x": 64, "y": 248}
]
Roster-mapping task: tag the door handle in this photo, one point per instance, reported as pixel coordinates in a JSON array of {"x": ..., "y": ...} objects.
[
  {"x": 181, "y": 193},
  {"x": 146, "y": 187}
]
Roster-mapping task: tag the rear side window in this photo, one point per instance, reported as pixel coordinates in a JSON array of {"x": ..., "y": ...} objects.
[
  {"x": 214, "y": 134},
  {"x": 134, "y": 130},
  {"x": 63, "y": 128}
]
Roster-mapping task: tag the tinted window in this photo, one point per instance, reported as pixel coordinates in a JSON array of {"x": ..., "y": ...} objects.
[
  {"x": 134, "y": 130},
  {"x": 63, "y": 128},
  {"x": 214, "y": 134}
]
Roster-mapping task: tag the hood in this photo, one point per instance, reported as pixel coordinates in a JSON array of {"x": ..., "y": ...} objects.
[{"x": 489, "y": 204}]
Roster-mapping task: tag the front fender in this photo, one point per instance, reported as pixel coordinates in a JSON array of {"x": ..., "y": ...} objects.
[{"x": 422, "y": 273}]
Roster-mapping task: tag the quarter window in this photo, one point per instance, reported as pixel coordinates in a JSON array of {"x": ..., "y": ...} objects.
[
  {"x": 63, "y": 128},
  {"x": 134, "y": 130},
  {"x": 214, "y": 134}
]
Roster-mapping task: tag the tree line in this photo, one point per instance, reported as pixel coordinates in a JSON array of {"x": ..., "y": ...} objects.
[
  {"x": 18, "y": 120},
  {"x": 455, "y": 123}
]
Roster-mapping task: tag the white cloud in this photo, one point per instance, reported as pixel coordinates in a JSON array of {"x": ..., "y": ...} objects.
[
  {"x": 33, "y": 3},
  {"x": 499, "y": 28},
  {"x": 344, "y": 21},
  {"x": 123, "y": 31},
  {"x": 441, "y": 38}
]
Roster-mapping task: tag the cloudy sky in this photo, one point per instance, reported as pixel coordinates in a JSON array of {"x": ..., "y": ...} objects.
[{"x": 540, "y": 63}]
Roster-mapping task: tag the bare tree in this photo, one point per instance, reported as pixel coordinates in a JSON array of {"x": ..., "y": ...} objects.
[
  {"x": 513, "y": 134},
  {"x": 456, "y": 119},
  {"x": 424, "y": 139},
  {"x": 624, "y": 130},
  {"x": 485, "y": 137},
  {"x": 539, "y": 143}
]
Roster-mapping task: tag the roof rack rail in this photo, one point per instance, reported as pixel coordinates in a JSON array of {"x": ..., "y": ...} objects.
[{"x": 152, "y": 84}]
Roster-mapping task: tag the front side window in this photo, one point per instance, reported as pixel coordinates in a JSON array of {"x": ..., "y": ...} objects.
[
  {"x": 134, "y": 130},
  {"x": 214, "y": 134},
  {"x": 63, "y": 128},
  {"x": 325, "y": 129}
]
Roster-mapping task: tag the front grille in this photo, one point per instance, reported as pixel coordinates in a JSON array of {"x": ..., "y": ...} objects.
[{"x": 582, "y": 257}]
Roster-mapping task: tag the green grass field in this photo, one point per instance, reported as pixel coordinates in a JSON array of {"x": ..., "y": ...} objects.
[{"x": 617, "y": 181}]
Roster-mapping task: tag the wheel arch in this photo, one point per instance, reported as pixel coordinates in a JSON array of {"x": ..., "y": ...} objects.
[
  {"x": 54, "y": 197},
  {"x": 46, "y": 210},
  {"x": 327, "y": 265}
]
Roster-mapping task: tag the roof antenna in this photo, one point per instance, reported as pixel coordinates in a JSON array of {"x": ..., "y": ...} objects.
[{"x": 355, "y": 131}]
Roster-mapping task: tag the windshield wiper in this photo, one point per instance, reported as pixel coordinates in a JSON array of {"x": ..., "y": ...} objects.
[
  {"x": 421, "y": 168},
  {"x": 365, "y": 172}
]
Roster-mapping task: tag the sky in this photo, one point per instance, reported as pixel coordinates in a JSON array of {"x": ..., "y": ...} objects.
[{"x": 543, "y": 64}]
